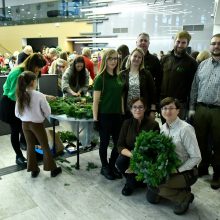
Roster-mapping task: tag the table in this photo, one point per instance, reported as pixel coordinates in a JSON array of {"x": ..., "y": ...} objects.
[{"x": 80, "y": 126}]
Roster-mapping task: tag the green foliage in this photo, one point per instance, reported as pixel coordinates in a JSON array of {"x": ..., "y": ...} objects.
[
  {"x": 80, "y": 111},
  {"x": 154, "y": 158},
  {"x": 58, "y": 106},
  {"x": 77, "y": 107},
  {"x": 67, "y": 136},
  {"x": 62, "y": 160},
  {"x": 91, "y": 166}
]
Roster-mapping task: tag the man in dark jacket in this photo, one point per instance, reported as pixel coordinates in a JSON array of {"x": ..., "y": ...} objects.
[{"x": 178, "y": 72}]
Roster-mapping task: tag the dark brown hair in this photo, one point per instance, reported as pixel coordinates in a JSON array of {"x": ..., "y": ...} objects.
[
  {"x": 131, "y": 103},
  {"x": 23, "y": 97},
  {"x": 75, "y": 74},
  {"x": 33, "y": 61},
  {"x": 169, "y": 100}
]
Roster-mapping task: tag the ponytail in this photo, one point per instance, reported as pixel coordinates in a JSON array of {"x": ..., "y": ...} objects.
[{"x": 23, "y": 97}]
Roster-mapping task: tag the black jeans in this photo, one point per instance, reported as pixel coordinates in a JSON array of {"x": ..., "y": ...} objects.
[
  {"x": 122, "y": 163},
  {"x": 110, "y": 125},
  {"x": 7, "y": 114}
]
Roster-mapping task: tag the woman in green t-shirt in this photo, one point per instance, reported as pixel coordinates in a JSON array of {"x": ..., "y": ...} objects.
[
  {"x": 107, "y": 110},
  {"x": 33, "y": 63}
]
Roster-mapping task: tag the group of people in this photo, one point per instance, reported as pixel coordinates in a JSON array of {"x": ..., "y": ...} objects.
[
  {"x": 172, "y": 86},
  {"x": 128, "y": 89}
]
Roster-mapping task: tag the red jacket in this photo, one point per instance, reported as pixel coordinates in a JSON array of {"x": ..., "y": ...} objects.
[{"x": 90, "y": 66}]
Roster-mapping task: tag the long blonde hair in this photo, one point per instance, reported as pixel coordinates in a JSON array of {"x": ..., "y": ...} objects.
[
  {"x": 107, "y": 53},
  {"x": 128, "y": 63}
]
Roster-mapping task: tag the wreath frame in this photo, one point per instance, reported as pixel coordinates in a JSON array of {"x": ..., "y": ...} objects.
[{"x": 153, "y": 158}]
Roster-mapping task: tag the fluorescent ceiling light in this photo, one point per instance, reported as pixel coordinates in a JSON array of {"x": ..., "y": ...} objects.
[{"x": 100, "y": 1}]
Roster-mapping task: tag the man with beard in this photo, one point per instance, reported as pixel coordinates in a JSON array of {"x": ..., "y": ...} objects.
[
  {"x": 178, "y": 71},
  {"x": 205, "y": 104}
]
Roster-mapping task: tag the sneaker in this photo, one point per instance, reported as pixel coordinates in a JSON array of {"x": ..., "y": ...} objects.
[
  {"x": 21, "y": 161},
  {"x": 127, "y": 191},
  {"x": 106, "y": 172},
  {"x": 182, "y": 207},
  {"x": 215, "y": 182},
  {"x": 56, "y": 171},
  {"x": 34, "y": 174}
]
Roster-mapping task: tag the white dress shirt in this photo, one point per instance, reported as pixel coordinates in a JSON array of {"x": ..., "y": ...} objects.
[{"x": 183, "y": 136}]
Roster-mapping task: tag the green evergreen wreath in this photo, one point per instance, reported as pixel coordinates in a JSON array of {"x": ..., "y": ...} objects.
[{"x": 154, "y": 158}]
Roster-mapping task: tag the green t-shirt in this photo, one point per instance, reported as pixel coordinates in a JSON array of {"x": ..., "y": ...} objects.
[
  {"x": 111, "y": 93},
  {"x": 9, "y": 86}
]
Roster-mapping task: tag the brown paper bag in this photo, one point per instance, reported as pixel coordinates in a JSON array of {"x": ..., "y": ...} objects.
[{"x": 58, "y": 142}]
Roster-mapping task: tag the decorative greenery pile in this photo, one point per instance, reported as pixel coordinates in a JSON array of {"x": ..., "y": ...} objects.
[
  {"x": 91, "y": 166},
  {"x": 77, "y": 107},
  {"x": 154, "y": 158},
  {"x": 67, "y": 136}
]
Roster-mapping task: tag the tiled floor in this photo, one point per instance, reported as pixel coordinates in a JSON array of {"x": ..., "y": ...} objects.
[{"x": 82, "y": 194}]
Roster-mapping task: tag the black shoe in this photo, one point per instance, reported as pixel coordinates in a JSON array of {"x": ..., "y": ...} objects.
[
  {"x": 127, "y": 191},
  {"x": 56, "y": 171},
  {"x": 182, "y": 207},
  {"x": 21, "y": 161},
  {"x": 215, "y": 182},
  {"x": 23, "y": 146},
  {"x": 107, "y": 173},
  {"x": 202, "y": 171},
  {"x": 34, "y": 174}
]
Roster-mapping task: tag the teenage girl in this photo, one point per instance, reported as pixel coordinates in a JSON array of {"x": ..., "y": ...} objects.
[{"x": 107, "y": 110}]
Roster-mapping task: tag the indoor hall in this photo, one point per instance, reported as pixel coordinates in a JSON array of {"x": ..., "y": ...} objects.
[{"x": 71, "y": 25}]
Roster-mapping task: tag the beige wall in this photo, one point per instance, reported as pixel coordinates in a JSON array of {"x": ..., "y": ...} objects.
[{"x": 11, "y": 36}]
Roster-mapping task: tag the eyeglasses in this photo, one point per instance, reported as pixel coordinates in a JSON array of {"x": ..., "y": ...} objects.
[
  {"x": 215, "y": 43},
  {"x": 113, "y": 59},
  {"x": 168, "y": 109},
  {"x": 138, "y": 107}
]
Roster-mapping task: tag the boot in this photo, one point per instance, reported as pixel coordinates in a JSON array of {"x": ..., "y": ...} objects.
[
  {"x": 182, "y": 207},
  {"x": 130, "y": 185},
  {"x": 114, "y": 170},
  {"x": 107, "y": 173},
  {"x": 126, "y": 191}
]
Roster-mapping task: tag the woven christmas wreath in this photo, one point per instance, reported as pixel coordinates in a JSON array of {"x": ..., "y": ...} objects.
[{"x": 154, "y": 158}]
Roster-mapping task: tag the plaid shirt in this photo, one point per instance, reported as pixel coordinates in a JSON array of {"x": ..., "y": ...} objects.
[{"x": 206, "y": 84}]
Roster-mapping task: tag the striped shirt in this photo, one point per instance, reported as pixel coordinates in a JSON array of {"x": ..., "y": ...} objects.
[{"x": 206, "y": 84}]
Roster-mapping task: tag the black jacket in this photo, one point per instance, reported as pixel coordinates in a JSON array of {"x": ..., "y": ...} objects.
[
  {"x": 130, "y": 130},
  {"x": 147, "y": 87},
  {"x": 178, "y": 74}
]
